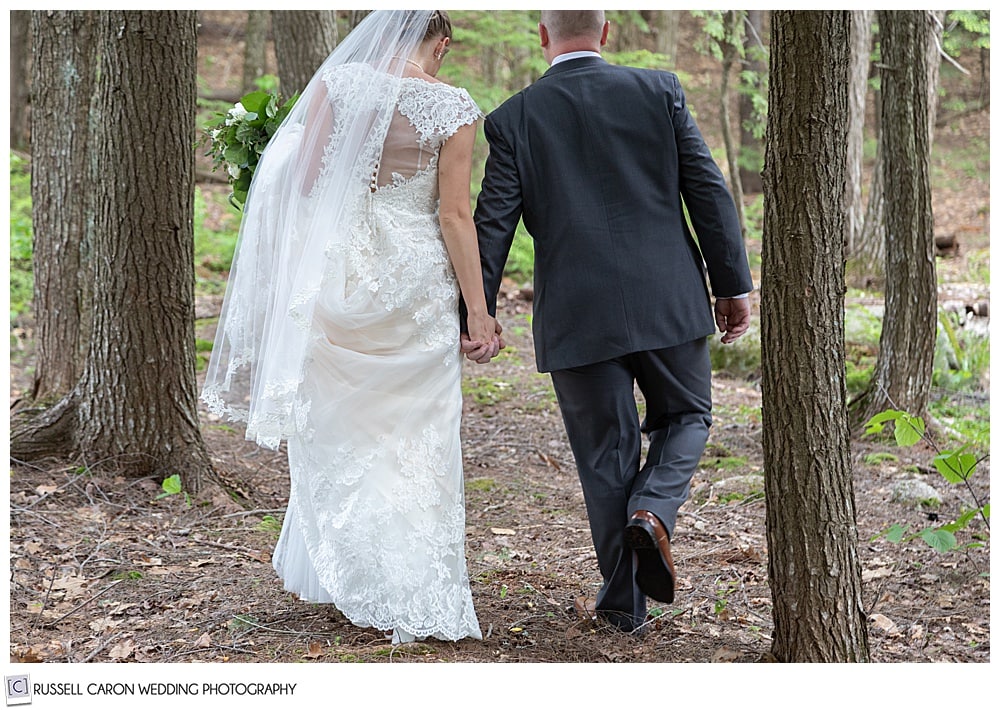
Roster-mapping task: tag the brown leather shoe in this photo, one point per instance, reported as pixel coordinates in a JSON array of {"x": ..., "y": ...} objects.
[
  {"x": 654, "y": 573},
  {"x": 586, "y": 608}
]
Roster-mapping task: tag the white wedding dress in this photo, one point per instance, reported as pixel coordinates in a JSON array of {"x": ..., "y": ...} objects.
[{"x": 376, "y": 520}]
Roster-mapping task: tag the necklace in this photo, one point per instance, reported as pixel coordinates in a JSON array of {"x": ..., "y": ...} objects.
[{"x": 410, "y": 61}]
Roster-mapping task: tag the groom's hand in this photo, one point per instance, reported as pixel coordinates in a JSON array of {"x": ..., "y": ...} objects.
[
  {"x": 732, "y": 315},
  {"x": 483, "y": 352}
]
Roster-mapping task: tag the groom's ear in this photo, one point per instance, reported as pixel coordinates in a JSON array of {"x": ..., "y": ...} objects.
[
  {"x": 543, "y": 35},
  {"x": 604, "y": 33}
]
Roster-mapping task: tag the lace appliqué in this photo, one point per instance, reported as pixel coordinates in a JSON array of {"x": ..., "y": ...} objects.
[
  {"x": 436, "y": 111},
  {"x": 389, "y": 556}
]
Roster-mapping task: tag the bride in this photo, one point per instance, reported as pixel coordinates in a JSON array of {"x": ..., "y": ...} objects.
[{"x": 340, "y": 329}]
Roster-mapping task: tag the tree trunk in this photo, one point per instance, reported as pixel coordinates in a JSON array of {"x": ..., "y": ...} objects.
[
  {"x": 354, "y": 17},
  {"x": 20, "y": 70},
  {"x": 135, "y": 405},
  {"x": 666, "y": 25},
  {"x": 63, "y": 81},
  {"x": 255, "y": 48},
  {"x": 861, "y": 40},
  {"x": 935, "y": 31},
  {"x": 751, "y": 153},
  {"x": 905, "y": 364},
  {"x": 302, "y": 40},
  {"x": 813, "y": 563},
  {"x": 730, "y": 55},
  {"x": 869, "y": 253}
]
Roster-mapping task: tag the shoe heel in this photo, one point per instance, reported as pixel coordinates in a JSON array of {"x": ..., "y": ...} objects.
[{"x": 639, "y": 535}]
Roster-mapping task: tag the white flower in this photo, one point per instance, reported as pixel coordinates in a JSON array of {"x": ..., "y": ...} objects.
[
  {"x": 216, "y": 133},
  {"x": 236, "y": 113},
  {"x": 234, "y": 170}
]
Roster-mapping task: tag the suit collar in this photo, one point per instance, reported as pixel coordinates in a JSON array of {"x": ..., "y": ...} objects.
[{"x": 574, "y": 64}]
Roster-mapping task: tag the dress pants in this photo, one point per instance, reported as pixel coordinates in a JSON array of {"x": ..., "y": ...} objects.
[{"x": 599, "y": 410}]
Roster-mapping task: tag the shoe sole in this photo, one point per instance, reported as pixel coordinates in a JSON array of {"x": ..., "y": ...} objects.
[{"x": 652, "y": 573}]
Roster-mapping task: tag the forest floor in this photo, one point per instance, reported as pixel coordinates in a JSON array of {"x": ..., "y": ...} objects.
[{"x": 104, "y": 570}]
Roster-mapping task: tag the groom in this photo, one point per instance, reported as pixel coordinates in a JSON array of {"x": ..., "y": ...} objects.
[{"x": 598, "y": 160}]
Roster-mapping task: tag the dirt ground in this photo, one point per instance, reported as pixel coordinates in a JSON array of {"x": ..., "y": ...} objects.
[{"x": 102, "y": 570}]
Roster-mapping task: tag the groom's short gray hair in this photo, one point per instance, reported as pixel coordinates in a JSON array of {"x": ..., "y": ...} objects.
[{"x": 569, "y": 24}]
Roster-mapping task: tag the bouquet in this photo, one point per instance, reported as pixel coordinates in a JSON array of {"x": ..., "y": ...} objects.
[{"x": 238, "y": 138}]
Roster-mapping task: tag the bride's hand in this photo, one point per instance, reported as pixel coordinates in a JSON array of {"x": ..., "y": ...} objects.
[{"x": 483, "y": 341}]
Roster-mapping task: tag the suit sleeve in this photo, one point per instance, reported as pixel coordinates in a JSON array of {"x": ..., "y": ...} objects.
[
  {"x": 710, "y": 205},
  {"x": 498, "y": 210}
]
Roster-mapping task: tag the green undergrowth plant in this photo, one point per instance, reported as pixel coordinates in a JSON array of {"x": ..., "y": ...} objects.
[
  {"x": 21, "y": 281},
  {"x": 956, "y": 466}
]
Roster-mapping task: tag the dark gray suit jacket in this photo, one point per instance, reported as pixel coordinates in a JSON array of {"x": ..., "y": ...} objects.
[{"x": 597, "y": 158}]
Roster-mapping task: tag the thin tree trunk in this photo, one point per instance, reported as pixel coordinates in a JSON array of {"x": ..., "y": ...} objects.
[
  {"x": 20, "y": 71},
  {"x": 255, "y": 48},
  {"x": 813, "y": 563},
  {"x": 905, "y": 363},
  {"x": 63, "y": 81},
  {"x": 303, "y": 39},
  {"x": 751, "y": 152},
  {"x": 868, "y": 256},
  {"x": 935, "y": 19},
  {"x": 861, "y": 40},
  {"x": 666, "y": 31},
  {"x": 730, "y": 55},
  {"x": 354, "y": 17}
]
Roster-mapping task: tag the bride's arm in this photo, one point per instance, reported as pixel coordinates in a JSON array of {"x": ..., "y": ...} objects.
[{"x": 459, "y": 231}]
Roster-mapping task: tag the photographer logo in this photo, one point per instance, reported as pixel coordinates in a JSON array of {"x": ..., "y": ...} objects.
[{"x": 18, "y": 690}]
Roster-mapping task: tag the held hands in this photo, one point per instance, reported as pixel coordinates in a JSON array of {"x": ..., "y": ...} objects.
[
  {"x": 732, "y": 315},
  {"x": 489, "y": 340}
]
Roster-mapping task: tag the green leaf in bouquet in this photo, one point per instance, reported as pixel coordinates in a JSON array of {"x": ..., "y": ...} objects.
[
  {"x": 242, "y": 183},
  {"x": 256, "y": 101},
  {"x": 246, "y": 134},
  {"x": 238, "y": 198},
  {"x": 286, "y": 107},
  {"x": 236, "y": 154}
]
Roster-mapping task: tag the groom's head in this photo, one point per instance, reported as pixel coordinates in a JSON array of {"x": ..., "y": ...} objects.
[{"x": 562, "y": 31}]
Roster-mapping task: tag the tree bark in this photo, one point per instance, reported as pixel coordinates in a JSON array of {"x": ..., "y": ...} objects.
[
  {"x": 20, "y": 71},
  {"x": 935, "y": 31},
  {"x": 905, "y": 363},
  {"x": 354, "y": 17},
  {"x": 813, "y": 563},
  {"x": 302, "y": 40},
  {"x": 255, "y": 48},
  {"x": 869, "y": 252},
  {"x": 135, "y": 405},
  {"x": 63, "y": 81}
]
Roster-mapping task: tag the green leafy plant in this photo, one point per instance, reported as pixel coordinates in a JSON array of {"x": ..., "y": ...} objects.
[
  {"x": 21, "y": 279},
  {"x": 955, "y": 466},
  {"x": 269, "y": 524},
  {"x": 172, "y": 486},
  {"x": 238, "y": 138}
]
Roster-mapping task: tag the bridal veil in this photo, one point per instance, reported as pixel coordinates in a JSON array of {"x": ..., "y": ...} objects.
[{"x": 316, "y": 172}]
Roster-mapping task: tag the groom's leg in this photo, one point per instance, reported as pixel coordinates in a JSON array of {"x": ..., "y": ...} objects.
[
  {"x": 677, "y": 385},
  {"x": 599, "y": 411}
]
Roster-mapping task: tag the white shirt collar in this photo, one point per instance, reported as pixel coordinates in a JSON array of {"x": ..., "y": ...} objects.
[{"x": 574, "y": 55}]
